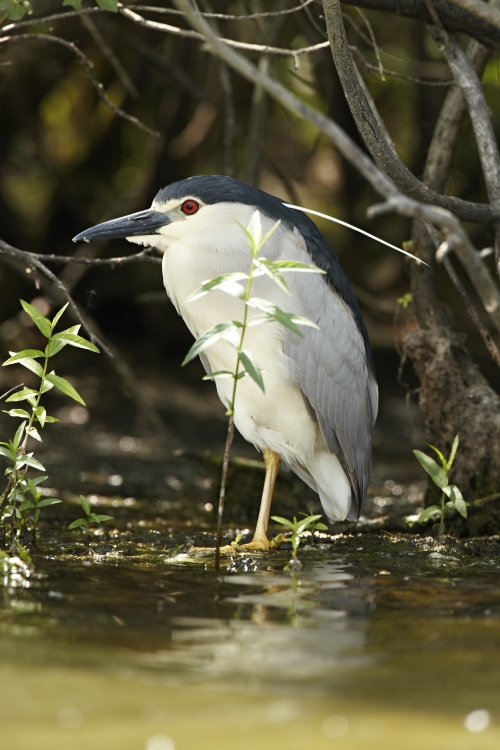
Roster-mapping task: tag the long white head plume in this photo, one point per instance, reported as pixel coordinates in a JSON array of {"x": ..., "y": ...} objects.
[{"x": 356, "y": 229}]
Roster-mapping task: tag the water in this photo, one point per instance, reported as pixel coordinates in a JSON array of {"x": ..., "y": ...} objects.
[{"x": 379, "y": 641}]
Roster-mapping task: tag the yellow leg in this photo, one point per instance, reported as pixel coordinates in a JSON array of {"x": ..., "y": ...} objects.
[{"x": 260, "y": 540}]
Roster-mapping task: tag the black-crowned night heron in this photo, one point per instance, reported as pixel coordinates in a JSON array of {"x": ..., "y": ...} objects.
[{"x": 321, "y": 397}]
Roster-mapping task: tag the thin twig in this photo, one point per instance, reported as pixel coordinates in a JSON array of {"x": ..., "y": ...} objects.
[
  {"x": 146, "y": 255},
  {"x": 109, "y": 54},
  {"x": 229, "y": 16},
  {"x": 248, "y": 47},
  {"x": 223, "y": 485}
]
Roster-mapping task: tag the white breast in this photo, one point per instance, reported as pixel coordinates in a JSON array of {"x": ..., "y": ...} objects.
[{"x": 265, "y": 419}]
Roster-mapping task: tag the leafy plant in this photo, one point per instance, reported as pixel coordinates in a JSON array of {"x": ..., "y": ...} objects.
[
  {"x": 89, "y": 519},
  {"x": 297, "y": 527},
  {"x": 256, "y": 311},
  {"x": 22, "y": 500},
  {"x": 440, "y": 477},
  {"x": 14, "y": 10}
]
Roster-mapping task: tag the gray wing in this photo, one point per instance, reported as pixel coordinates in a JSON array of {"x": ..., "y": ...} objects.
[{"x": 333, "y": 368}]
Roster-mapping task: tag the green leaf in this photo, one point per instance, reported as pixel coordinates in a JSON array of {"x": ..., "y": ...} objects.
[
  {"x": 53, "y": 347},
  {"x": 45, "y": 386},
  {"x": 29, "y": 362},
  {"x": 453, "y": 453},
  {"x": 276, "y": 268},
  {"x": 68, "y": 337},
  {"x": 38, "y": 319},
  {"x": 456, "y": 499},
  {"x": 436, "y": 473},
  {"x": 111, "y": 5},
  {"x": 440, "y": 454},
  {"x": 33, "y": 432},
  {"x": 290, "y": 265},
  {"x": 57, "y": 316},
  {"x": 64, "y": 386},
  {"x": 7, "y": 452},
  {"x": 268, "y": 234},
  {"x": 25, "y": 354},
  {"x": 85, "y": 504},
  {"x": 48, "y": 501},
  {"x": 428, "y": 512},
  {"x": 18, "y": 436},
  {"x": 219, "y": 374},
  {"x": 33, "y": 483},
  {"x": 228, "y": 331},
  {"x": 252, "y": 368},
  {"x": 306, "y": 522},
  {"x": 228, "y": 282},
  {"x": 284, "y": 522},
  {"x": 268, "y": 267},
  {"x": 27, "y": 505},
  {"x": 79, "y": 522},
  {"x": 28, "y": 459},
  {"x": 41, "y": 414},
  {"x": 272, "y": 313},
  {"x": 99, "y": 517},
  {"x": 17, "y": 413},
  {"x": 19, "y": 10},
  {"x": 76, "y": 4},
  {"x": 25, "y": 394},
  {"x": 32, "y": 488}
]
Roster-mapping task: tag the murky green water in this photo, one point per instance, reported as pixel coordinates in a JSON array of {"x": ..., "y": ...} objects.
[{"x": 380, "y": 642}]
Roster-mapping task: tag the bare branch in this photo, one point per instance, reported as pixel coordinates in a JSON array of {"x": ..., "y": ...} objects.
[
  {"x": 107, "y": 51},
  {"x": 372, "y": 135},
  {"x": 445, "y": 134},
  {"x": 470, "y": 85},
  {"x": 473, "y": 17}
]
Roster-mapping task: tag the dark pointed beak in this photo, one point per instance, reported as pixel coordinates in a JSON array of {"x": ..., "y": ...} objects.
[{"x": 142, "y": 223}]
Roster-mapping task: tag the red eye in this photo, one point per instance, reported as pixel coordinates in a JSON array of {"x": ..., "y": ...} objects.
[{"x": 190, "y": 207}]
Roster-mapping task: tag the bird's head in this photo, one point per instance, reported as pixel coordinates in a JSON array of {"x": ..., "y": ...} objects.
[{"x": 206, "y": 207}]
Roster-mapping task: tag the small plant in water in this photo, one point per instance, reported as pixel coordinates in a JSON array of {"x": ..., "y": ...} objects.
[
  {"x": 90, "y": 519},
  {"x": 296, "y": 527},
  {"x": 439, "y": 475},
  {"x": 22, "y": 500}
]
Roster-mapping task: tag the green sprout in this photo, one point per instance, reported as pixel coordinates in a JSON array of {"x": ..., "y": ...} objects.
[
  {"x": 89, "y": 519},
  {"x": 440, "y": 477},
  {"x": 297, "y": 527},
  {"x": 22, "y": 500}
]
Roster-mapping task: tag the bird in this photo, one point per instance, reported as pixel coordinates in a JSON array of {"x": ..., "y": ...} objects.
[{"x": 320, "y": 399}]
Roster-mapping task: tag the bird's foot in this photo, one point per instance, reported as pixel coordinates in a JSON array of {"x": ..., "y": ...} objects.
[{"x": 258, "y": 544}]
